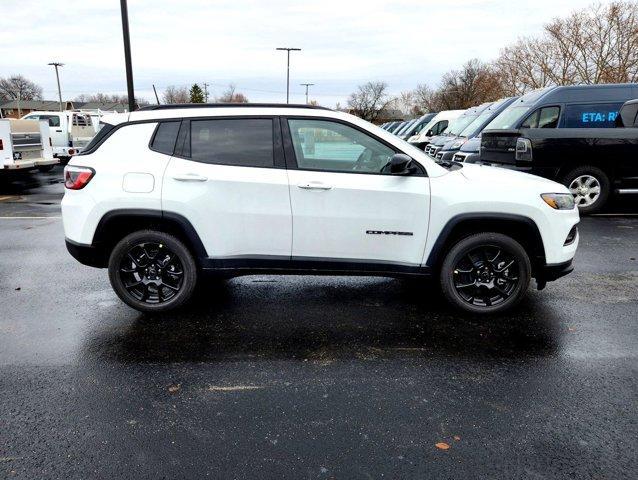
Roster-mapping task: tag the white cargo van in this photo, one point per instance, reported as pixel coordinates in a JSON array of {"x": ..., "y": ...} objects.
[
  {"x": 25, "y": 145},
  {"x": 70, "y": 131},
  {"x": 435, "y": 127}
]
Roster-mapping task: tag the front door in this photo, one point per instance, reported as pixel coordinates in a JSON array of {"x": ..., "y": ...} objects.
[
  {"x": 228, "y": 179},
  {"x": 346, "y": 207}
]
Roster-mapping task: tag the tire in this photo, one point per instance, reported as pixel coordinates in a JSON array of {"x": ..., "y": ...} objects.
[
  {"x": 144, "y": 270},
  {"x": 45, "y": 168},
  {"x": 588, "y": 177},
  {"x": 475, "y": 278}
]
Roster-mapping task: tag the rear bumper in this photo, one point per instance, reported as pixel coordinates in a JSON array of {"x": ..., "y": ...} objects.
[
  {"x": 19, "y": 165},
  {"x": 49, "y": 161},
  {"x": 86, "y": 254}
]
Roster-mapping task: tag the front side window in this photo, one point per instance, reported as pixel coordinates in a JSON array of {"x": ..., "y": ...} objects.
[
  {"x": 242, "y": 142},
  {"x": 602, "y": 115},
  {"x": 165, "y": 137},
  {"x": 439, "y": 127},
  {"x": 332, "y": 146},
  {"x": 546, "y": 117}
]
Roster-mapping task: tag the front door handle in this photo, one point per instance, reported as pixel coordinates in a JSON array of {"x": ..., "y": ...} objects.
[
  {"x": 189, "y": 177},
  {"x": 314, "y": 186},
  {"x": 60, "y": 131}
]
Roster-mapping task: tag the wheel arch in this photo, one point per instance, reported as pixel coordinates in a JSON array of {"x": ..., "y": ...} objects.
[
  {"x": 521, "y": 228},
  {"x": 116, "y": 224}
]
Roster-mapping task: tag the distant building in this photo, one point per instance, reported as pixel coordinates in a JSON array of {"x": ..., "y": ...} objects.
[{"x": 17, "y": 109}]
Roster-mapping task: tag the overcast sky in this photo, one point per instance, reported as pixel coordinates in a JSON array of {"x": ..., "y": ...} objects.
[{"x": 344, "y": 43}]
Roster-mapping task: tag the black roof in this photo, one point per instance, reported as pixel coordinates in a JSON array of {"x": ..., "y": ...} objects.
[{"x": 171, "y": 106}]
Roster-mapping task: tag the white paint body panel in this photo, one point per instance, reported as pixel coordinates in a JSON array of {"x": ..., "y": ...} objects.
[
  {"x": 236, "y": 211},
  {"x": 333, "y": 223}
]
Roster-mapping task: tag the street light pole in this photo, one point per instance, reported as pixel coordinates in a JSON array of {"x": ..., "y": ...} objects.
[
  {"x": 306, "y": 85},
  {"x": 127, "y": 56},
  {"x": 57, "y": 76},
  {"x": 288, "y": 50}
]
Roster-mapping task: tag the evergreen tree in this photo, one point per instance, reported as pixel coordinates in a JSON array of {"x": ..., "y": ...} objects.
[{"x": 197, "y": 95}]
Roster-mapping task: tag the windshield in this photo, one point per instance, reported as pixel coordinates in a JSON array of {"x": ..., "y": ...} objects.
[
  {"x": 476, "y": 123},
  {"x": 459, "y": 124},
  {"x": 507, "y": 118},
  {"x": 419, "y": 124}
]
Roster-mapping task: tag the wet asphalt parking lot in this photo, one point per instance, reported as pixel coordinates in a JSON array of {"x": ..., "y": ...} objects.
[{"x": 311, "y": 377}]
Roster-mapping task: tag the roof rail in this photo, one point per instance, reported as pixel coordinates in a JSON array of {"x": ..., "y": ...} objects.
[{"x": 225, "y": 105}]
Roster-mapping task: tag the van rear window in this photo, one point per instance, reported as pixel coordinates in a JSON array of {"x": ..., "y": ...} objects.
[{"x": 600, "y": 115}]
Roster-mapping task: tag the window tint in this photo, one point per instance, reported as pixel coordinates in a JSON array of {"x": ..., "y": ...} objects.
[
  {"x": 546, "y": 117},
  {"x": 165, "y": 136},
  {"x": 332, "y": 146},
  {"x": 244, "y": 142},
  {"x": 602, "y": 115}
]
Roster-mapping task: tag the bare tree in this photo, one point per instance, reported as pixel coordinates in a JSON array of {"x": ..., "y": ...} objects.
[
  {"x": 102, "y": 98},
  {"x": 231, "y": 96},
  {"x": 595, "y": 45},
  {"x": 17, "y": 87},
  {"x": 174, "y": 94},
  {"x": 369, "y": 100}
]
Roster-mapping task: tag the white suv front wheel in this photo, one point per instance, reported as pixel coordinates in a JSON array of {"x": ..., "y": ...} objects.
[
  {"x": 152, "y": 271},
  {"x": 485, "y": 273}
]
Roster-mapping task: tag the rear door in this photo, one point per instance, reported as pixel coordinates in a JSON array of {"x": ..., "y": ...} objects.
[
  {"x": 345, "y": 206},
  {"x": 228, "y": 178}
]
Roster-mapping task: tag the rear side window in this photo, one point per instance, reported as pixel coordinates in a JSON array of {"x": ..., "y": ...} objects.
[
  {"x": 165, "y": 136},
  {"x": 546, "y": 117},
  {"x": 602, "y": 115},
  {"x": 242, "y": 142}
]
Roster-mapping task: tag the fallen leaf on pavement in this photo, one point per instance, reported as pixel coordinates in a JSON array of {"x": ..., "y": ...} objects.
[
  {"x": 457, "y": 438},
  {"x": 442, "y": 446},
  {"x": 174, "y": 388}
]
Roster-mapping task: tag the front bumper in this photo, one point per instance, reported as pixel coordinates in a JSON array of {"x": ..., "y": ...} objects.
[{"x": 551, "y": 272}]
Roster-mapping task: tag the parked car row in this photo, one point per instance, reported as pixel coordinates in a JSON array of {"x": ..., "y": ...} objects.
[{"x": 583, "y": 136}]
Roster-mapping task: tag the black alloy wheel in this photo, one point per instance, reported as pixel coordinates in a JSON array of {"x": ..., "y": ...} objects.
[
  {"x": 486, "y": 276},
  {"x": 485, "y": 273},
  {"x": 152, "y": 271}
]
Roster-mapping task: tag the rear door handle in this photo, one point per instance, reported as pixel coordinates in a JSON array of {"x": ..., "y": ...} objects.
[
  {"x": 189, "y": 177},
  {"x": 314, "y": 186}
]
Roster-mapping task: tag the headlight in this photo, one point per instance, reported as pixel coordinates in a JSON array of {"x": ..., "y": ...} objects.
[
  {"x": 559, "y": 201},
  {"x": 458, "y": 144}
]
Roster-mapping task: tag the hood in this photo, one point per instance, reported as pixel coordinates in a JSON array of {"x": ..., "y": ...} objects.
[
  {"x": 496, "y": 176},
  {"x": 441, "y": 140},
  {"x": 472, "y": 145},
  {"x": 454, "y": 144}
]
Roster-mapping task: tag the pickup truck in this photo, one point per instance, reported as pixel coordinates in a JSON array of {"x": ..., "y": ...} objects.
[
  {"x": 593, "y": 163},
  {"x": 25, "y": 145},
  {"x": 70, "y": 131}
]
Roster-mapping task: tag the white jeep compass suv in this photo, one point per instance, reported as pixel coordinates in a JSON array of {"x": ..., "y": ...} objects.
[{"x": 167, "y": 193}]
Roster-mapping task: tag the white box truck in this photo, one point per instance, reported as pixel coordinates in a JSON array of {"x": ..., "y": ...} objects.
[
  {"x": 25, "y": 145},
  {"x": 70, "y": 131}
]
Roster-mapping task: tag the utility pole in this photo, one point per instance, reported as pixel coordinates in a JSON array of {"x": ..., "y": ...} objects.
[
  {"x": 127, "y": 56},
  {"x": 205, "y": 92},
  {"x": 57, "y": 76},
  {"x": 288, "y": 50},
  {"x": 306, "y": 85}
]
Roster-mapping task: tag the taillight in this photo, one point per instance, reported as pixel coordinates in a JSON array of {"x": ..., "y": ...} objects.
[{"x": 76, "y": 178}]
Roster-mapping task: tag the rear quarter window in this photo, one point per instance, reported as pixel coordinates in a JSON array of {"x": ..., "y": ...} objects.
[{"x": 165, "y": 137}]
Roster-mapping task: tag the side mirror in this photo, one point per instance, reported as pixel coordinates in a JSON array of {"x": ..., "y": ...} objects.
[
  {"x": 400, "y": 164},
  {"x": 429, "y": 133}
]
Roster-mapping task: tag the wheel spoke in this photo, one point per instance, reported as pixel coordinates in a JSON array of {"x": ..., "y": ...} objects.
[
  {"x": 164, "y": 284},
  {"x": 466, "y": 285}
]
